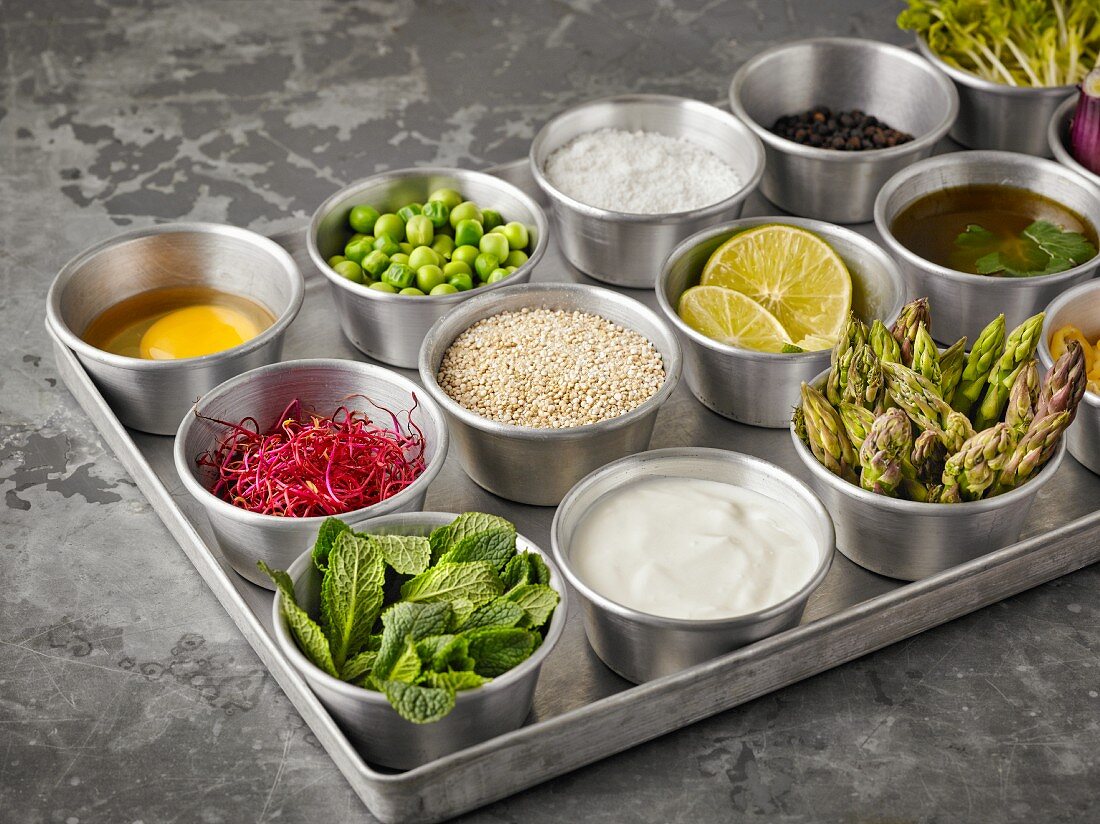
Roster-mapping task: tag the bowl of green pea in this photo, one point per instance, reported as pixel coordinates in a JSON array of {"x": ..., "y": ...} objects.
[{"x": 400, "y": 249}]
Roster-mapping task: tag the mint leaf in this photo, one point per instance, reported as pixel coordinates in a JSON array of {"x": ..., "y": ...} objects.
[
  {"x": 440, "y": 541},
  {"x": 351, "y": 594},
  {"x": 443, "y": 652},
  {"x": 407, "y": 554},
  {"x": 471, "y": 523},
  {"x": 311, "y": 640},
  {"x": 463, "y": 608},
  {"x": 407, "y": 620},
  {"x": 1059, "y": 244},
  {"x": 331, "y": 529},
  {"x": 495, "y": 546},
  {"x": 359, "y": 665},
  {"x": 538, "y": 602},
  {"x": 540, "y": 572},
  {"x": 420, "y": 705},
  {"x": 408, "y": 664},
  {"x": 518, "y": 571},
  {"x": 500, "y": 612},
  {"x": 455, "y": 681},
  {"x": 475, "y": 581},
  {"x": 497, "y": 649}
]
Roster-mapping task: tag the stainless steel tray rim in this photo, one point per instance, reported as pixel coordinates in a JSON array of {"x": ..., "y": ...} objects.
[{"x": 974, "y": 81}]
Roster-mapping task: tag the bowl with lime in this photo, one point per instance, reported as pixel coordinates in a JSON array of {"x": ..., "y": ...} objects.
[{"x": 758, "y": 303}]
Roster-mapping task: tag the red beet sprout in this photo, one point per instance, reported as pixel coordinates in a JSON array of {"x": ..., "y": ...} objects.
[{"x": 308, "y": 464}]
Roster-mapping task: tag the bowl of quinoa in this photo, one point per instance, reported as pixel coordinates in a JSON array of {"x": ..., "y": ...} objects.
[
  {"x": 629, "y": 177},
  {"x": 543, "y": 383}
]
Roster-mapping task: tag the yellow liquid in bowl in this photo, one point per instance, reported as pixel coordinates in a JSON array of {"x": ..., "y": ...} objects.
[{"x": 177, "y": 322}]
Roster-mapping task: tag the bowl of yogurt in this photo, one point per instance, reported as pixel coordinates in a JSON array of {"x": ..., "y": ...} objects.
[{"x": 682, "y": 555}]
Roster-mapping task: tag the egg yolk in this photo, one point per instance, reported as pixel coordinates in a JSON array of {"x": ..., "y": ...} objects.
[{"x": 196, "y": 331}]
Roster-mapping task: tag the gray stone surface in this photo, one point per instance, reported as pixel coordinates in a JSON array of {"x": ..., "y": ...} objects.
[{"x": 127, "y": 695}]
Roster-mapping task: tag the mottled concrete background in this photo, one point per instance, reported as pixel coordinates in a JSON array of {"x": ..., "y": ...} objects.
[{"x": 127, "y": 695}]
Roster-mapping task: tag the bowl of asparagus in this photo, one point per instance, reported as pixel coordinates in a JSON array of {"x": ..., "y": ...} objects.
[{"x": 926, "y": 458}]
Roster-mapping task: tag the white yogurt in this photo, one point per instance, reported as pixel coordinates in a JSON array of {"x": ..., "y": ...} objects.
[{"x": 690, "y": 548}]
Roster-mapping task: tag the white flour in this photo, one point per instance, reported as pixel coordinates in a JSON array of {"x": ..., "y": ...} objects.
[{"x": 643, "y": 173}]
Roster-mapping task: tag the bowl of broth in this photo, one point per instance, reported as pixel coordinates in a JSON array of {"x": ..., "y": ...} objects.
[
  {"x": 980, "y": 233},
  {"x": 160, "y": 316}
]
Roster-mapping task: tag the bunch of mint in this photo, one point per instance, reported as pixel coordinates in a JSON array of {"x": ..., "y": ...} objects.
[{"x": 420, "y": 619}]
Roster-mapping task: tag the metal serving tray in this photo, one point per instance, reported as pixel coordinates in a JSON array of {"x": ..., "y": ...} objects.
[{"x": 583, "y": 712}]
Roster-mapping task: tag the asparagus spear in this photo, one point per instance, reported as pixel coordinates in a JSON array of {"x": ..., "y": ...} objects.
[
  {"x": 986, "y": 351},
  {"x": 852, "y": 335},
  {"x": 883, "y": 343},
  {"x": 798, "y": 418},
  {"x": 916, "y": 395},
  {"x": 1033, "y": 451},
  {"x": 1019, "y": 349},
  {"x": 857, "y": 422},
  {"x": 1064, "y": 385},
  {"x": 929, "y": 455},
  {"x": 828, "y": 440},
  {"x": 926, "y": 357},
  {"x": 913, "y": 314},
  {"x": 1022, "y": 399},
  {"x": 885, "y": 451},
  {"x": 837, "y": 382},
  {"x": 952, "y": 361},
  {"x": 864, "y": 382},
  {"x": 957, "y": 429},
  {"x": 973, "y": 469}
]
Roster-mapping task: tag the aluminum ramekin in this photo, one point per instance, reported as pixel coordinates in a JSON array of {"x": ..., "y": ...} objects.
[
  {"x": 321, "y": 385},
  {"x": 623, "y": 248},
  {"x": 891, "y": 83},
  {"x": 962, "y": 304},
  {"x": 152, "y": 395},
  {"x": 1058, "y": 139},
  {"x": 374, "y": 727},
  {"x": 760, "y": 388},
  {"x": 389, "y": 327},
  {"x": 538, "y": 466},
  {"x": 641, "y": 647}
]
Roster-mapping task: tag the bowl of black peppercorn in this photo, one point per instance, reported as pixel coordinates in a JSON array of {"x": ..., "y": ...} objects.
[{"x": 838, "y": 116}]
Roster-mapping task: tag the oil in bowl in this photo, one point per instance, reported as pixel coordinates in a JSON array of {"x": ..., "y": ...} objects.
[
  {"x": 991, "y": 229},
  {"x": 176, "y": 322}
]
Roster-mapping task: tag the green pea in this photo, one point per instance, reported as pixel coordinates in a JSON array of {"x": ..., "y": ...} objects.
[
  {"x": 443, "y": 246},
  {"x": 332, "y": 261},
  {"x": 409, "y": 211},
  {"x": 419, "y": 231},
  {"x": 362, "y": 218},
  {"x": 497, "y": 275},
  {"x": 358, "y": 236},
  {"x": 390, "y": 225},
  {"x": 411, "y": 290},
  {"x": 358, "y": 249},
  {"x": 457, "y": 267},
  {"x": 386, "y": 245},
  {"x": 510, "y": 269},
  {"x": 490, "y": 219},
  {"x": 424, "y": 256},
  {"x": 468, "y": 233},
  {"x": 428, "y": 277},
  {"x": 466, "y": 254},
  {"x": 495, "y": 245},
  {"x": 516, "y": 258},
  {"x": 375, "y": 263},
  {"x": 444, "y": 289},
  {"x": 497, "y": 230},
  {"x": 485, "y": 264},
  {"x": 462, "y": 283},
  {"x": 466, "y": 210},
  {"x": 438, "y": 213},
  {"x": 448, "y": 197},
  {"x": 517, "y": 235},
  {"x": 401, "y": 258},
  {"x": 382, "y": 286},
  {"x": 406, "y": 247},
  {"x": 350, "y": 270},
  {"x": 399, "y": 276}
]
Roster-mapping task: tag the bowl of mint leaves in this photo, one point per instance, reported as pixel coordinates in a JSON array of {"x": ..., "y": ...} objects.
[{"x": 422, "y": 633}]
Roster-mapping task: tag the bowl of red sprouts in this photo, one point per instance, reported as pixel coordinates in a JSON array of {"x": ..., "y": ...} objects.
[{"x": 272, "y": 452}]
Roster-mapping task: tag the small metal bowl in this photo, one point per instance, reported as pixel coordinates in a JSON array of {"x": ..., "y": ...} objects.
[
  {"x": 909, "y": 540},
  {"x": 389, "y": 327},
  {"x": 842, "y": 73},
  {"x": 999, "y": 116},
  {"x": 1058, "y": 140},
  {"x": 538, "y": 466},
  {"x": 625, "y": 248},
  {"x": 323, "y": 385},
  {"x": 1081, "y": 307},
  {"x": 760, "y": 388},
  {"x": 962, "y": 303},
  {"x": 641, "y": 647},
  {"x": 152, "y": 395},
  {"x": 374, "y": 727}
]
